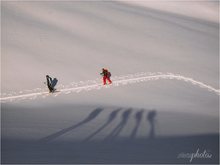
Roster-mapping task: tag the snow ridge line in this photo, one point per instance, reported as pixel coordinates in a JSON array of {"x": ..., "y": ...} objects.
[{"x": 119, "y": 81}]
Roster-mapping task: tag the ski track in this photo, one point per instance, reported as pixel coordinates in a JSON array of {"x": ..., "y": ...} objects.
[{"x": 96, "y": 85}]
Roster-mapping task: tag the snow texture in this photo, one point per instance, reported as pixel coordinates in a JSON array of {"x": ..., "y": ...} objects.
[{"x": 164, "y": 99}]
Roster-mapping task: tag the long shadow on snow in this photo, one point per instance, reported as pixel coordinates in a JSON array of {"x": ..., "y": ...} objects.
[
  {"x": 116, "y": 131},
  {"x": 91, "y": 116},
  {"x": 151, "y": 119},
  {"x": 116, "y": 150},
  {"x": 111, "y": 117},
  {"x": 138, "y": 118}
]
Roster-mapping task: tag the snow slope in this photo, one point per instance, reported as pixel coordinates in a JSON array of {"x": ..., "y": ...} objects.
[{"x": 164, "y": 100}]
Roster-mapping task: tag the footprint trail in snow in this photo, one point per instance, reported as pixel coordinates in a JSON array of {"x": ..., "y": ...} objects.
[{"x": 97, "y": 85}]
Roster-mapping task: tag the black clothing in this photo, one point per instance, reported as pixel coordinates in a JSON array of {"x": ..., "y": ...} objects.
[
  {"x": 49, "y": 83},
  {"x": 104, "y": 73}
]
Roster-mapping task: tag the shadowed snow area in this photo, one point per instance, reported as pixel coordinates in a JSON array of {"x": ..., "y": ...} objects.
[{"x": 164, "y": 99}]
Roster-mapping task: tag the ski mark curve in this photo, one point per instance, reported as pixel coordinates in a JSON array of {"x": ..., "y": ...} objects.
[{"x": 117, "y": 81}]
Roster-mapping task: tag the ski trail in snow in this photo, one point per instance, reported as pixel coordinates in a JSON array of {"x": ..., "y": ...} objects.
[{"x": 96, "y": 85}]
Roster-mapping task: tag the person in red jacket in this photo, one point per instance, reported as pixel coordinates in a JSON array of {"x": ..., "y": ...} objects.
[{"x": 106, "y": 76}]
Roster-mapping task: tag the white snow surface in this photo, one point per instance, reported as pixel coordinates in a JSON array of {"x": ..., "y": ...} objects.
[{"x": 163, "y": 57}]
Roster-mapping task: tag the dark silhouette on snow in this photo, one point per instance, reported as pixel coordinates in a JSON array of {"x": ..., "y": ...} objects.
[
  {"x": 116, "y": 131},
  {"x": 91, "y": 116},
  {"x": 160, "y": 150},
  {"x": 151, "y": 118},
  {"x": 111, "y": 117},
  {"x": 138, "y": 117},
  {"x": 51, "y": 83}
]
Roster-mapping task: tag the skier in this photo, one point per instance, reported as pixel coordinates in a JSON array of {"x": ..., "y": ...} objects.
[
  {"x": 49, "y": 83},
  {"x": 106, "y": 76}
]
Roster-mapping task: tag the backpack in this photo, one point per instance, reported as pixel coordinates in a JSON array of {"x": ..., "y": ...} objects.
[{"x": 109, "y": 74}]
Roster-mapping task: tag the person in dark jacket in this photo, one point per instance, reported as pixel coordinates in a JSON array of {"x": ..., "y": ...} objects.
[
  {"x": 106, "y": 76},
  {"x": 49, "y": 83}
]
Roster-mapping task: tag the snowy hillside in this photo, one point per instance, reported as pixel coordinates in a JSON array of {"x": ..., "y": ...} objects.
[{"x": 164, "y": 99}]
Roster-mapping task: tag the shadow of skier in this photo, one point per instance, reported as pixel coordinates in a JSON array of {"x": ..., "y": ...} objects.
[
  {"x": 120, "y": 126},
  {"x": 151, "y": 118},
  {"x": 111, "y": 117},
  {"x": 91, "y": 116},
  {"x": 138, "y": 117}
]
